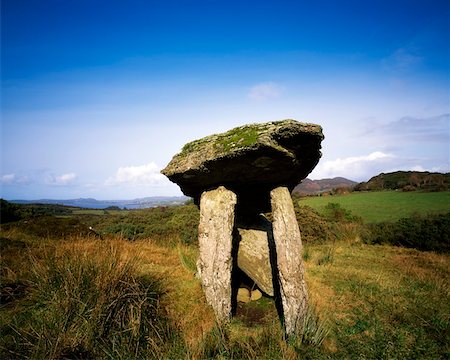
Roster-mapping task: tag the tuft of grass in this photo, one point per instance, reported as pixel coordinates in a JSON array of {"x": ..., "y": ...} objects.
[
  {"x": 306, "y": 254},
  {"x": 327, "y": 257},
  {"x": 313, "y": 333},
  {"x": 187, "y": 258},
  {"x": 86, "y": 301}
]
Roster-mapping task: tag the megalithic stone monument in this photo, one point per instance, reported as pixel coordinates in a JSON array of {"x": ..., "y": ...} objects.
[{"x": 234, "y": 178}]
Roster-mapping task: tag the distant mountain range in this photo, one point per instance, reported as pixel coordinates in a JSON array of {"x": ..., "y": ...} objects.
[
  {"x": 141, "y": 203},
  {"x": 310, "y": 187}
]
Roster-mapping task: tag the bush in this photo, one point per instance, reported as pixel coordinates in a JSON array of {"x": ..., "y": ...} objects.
[
  {"x": 126, "y": 231},
  {"x": 421, "y": 232},
  {"x": 167, "y": 225},
  {"x": 313, "y": 227},
  {"x": 335, "y": 212},
  {"x": 8, "y": 212}
]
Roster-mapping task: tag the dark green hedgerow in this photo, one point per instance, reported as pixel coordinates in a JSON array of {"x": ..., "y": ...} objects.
[
  {"x": 179, "y": 224},
  {"x": 430, "y": 232}
]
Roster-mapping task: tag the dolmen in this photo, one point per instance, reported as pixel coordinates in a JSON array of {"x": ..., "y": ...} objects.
[{"x": 236, "y": 177}]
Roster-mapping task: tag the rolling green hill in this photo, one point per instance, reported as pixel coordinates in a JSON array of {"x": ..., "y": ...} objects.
[{"x": 407, "y": 181}]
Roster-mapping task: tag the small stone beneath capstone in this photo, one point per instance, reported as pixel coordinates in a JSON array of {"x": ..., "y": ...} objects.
[
  {"x": 243, "y": 295},
  {"x": 256, "y": 295}
]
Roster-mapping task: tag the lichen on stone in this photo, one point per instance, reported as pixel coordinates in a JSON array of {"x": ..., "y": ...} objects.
[{"x": 272, "y": 153}]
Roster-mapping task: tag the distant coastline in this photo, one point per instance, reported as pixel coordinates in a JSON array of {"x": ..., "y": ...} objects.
[{"x": 90, "y": 203}]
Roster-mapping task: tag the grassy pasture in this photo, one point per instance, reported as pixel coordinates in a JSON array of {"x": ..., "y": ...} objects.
[{"x": 384, "y": 205}]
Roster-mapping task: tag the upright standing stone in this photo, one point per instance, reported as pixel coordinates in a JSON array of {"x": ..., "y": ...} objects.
[
  {"x": 217, "y": 212},
  {"x": 288, "y": 247}
]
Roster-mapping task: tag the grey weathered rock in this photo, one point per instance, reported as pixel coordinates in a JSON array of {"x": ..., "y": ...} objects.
[
  {"x": 215, "y": 240},
  {"x": 288, "y": 246},
  {"x": 253, "y": 258},
  {"x": 249, "y": 160}
]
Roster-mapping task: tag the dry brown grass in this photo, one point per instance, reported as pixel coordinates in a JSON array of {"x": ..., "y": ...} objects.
[
  {"x": 184, "y": 300},
  {"x": 378, "y": 300}
]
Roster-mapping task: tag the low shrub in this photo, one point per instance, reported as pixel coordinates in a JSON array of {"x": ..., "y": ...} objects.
[
  {"x": 166, "y": 225},
  {"x": 335, "y": 212},
  {"x": 126, "y": 231},
  {"x": 430, "y": 232},
  {"x": 313, "y": 226}
]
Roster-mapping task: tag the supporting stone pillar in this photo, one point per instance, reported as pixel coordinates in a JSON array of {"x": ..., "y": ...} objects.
[
  {"x": 288, "y": 247},
  {"x": 215, "y": 236}
]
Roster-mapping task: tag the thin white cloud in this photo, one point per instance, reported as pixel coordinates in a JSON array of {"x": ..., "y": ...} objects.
[
  {"x": 14, "y": 179},
  {"x": 148, "y": 174},
  {"x": 8, "y": 178},
  {"x": 355, "y": 167},
  {"x": 61, "y": 180},
  {"x": 265, "y": 91},
  {"x": 413, "y": 129}
]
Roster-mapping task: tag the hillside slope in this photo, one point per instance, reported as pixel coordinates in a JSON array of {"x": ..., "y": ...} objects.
[
  {"x": 309, "y": 187},
  {"x": 408, "y": 181}
]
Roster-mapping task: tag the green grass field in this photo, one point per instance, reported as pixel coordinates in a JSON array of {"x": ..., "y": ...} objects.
[{"x": 384, "y": 205}]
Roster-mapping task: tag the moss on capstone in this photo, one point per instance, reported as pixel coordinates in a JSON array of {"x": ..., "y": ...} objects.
[
  {"x": 245, "y": 136},
  {"x": 239, "y": 137},
  {"x": 246, "y": 148}
]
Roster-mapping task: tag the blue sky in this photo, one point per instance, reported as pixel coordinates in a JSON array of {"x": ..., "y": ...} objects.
[{"x": 97, "y": 96}]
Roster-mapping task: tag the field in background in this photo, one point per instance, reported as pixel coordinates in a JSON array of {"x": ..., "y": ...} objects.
[{"x": 378, "y": 206}]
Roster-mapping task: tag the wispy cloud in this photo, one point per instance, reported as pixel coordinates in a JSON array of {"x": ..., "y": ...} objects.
[
  {"x": 8, "y": 178},
  {"x": 402, "y": 60},
  {"x": 60, "y": 180},
  {"x": 433, "y": 129},
  {"x": 148, "y": 174},
  {"x": 265, "y": 91},
  {"x": 355, "y": 167},
  {"x": 14, "y": 179}
]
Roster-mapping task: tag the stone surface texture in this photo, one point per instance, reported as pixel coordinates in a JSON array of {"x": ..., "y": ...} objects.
[
  {"x": 288, "y": 247},
  {"x": 253, "y": 258},
  {"x": 214, "y": 266},
  {"x": 251, "y": 159}
]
